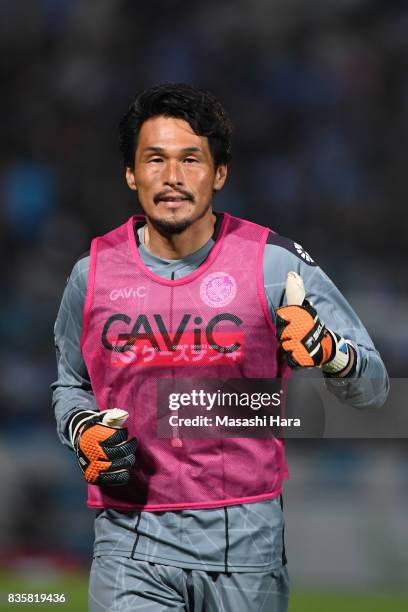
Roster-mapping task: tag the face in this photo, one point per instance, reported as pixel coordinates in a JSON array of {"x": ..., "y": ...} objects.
[{"x": 174, "y": 174}]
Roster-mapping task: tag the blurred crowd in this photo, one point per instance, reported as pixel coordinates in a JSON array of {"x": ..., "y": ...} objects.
[{"x": 318, "y": 94}]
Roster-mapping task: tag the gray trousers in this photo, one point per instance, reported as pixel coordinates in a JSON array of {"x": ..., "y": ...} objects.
[{"x": 123, "y": 584}]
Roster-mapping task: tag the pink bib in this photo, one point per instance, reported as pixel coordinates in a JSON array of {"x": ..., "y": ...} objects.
[{"x": 213, "y": 323}]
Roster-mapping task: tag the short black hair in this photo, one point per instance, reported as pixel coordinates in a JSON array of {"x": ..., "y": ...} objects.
[{"x": 198, "y": 107}]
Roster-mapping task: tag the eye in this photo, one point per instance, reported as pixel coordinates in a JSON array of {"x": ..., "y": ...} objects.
[
  {"x": 190, "y": 160},
  {"x": 155, "y": 160}
]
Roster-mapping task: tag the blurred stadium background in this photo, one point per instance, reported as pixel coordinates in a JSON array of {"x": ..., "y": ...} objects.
[{"x": 318, "y": 93}]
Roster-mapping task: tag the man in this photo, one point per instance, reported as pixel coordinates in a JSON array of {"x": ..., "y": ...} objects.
[{"x": 190, "y": 524}]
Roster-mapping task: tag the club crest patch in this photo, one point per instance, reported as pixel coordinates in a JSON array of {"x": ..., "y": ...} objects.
[{"x": 218, "y": 289}]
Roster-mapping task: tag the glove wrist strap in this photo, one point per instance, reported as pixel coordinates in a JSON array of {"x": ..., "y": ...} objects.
[
  {"x": 76, "y": 424},
  {"x": 340, "y": 357}
]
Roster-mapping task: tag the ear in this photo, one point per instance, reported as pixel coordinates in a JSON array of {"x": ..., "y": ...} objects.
[
  {"x": 130, "y": 178},
  {"x": 220, "y": 177}
]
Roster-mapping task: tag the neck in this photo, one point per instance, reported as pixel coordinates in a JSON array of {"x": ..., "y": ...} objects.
[{"x": 181, "y": 245}]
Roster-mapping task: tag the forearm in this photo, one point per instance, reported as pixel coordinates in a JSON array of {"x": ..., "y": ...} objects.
[
  {"x": 368, "y": 387},
  {"x": 72, "y": 391},
  {"x": 67, "y": 400}
]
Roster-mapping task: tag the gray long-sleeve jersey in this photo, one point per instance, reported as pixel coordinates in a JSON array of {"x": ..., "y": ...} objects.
[{"x": 196, "y": 538}]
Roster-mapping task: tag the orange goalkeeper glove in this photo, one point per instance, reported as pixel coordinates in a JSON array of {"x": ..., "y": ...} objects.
[
  {"x": 305, "y": 340},
  {"x": 104, "y": 452}
]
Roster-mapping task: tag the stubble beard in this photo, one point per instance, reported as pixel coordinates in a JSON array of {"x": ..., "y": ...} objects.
[{"x": 168, "y": 227}]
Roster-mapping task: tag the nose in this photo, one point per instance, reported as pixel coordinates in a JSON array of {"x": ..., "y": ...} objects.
[{"x": 173, "y": 173}]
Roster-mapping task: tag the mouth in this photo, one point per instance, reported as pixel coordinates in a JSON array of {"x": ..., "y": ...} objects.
[{"x": 172, "y": 202}]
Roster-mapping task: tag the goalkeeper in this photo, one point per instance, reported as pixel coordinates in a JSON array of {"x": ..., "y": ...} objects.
[{"x": 177, "y": 525}]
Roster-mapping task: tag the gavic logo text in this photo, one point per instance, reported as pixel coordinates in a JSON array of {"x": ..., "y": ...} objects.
[
  {"x": 127, "y": 293},
  {"x": 147, "y": 341}
]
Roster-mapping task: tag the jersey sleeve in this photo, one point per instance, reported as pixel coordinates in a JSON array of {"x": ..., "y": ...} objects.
[
  {"x": 369, "y": 384},
  {"x": 72, "y": 390}
]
